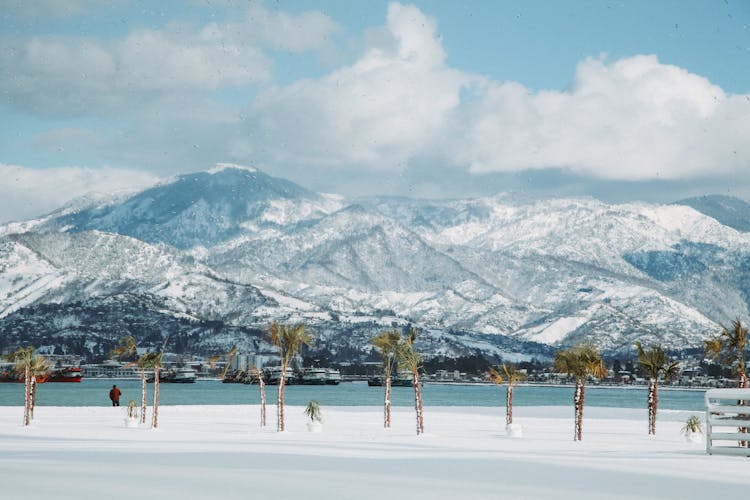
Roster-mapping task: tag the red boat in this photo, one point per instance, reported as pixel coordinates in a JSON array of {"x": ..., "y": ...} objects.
[{"x": 64, "y": 374}]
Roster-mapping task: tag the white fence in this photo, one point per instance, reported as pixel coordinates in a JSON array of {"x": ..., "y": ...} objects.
[{"x": 727, "y": 411}]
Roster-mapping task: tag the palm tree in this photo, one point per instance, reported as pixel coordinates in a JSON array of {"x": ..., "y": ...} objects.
[
  {"x": 512, "y": 377},
  {"x": 409, "y": 358},
  {"x": 39, "y": 369},
  {"x": 153, "y": 361},
  {"x": 580, "y": 362},
  {"x": 728, "y": 347},
  {"x": 255, "y": 371},
  {"x": 127, "y": 348},
  {"x": 289, "y": 341},
  {"x": 22, "y": 357},
  {"x": 656, "y": 365},
  {"x": 387, "y": 345}
]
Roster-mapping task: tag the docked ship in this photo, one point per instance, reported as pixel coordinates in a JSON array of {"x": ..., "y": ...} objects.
[
  {"x": 319, "y": 376},
  {"x": 400, "y": 380},
  {"x": 272, "y": 375},
  {"x": 182, "y": 375}
]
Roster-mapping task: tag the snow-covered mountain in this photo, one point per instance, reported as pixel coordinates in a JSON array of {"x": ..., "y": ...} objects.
[{"x": 235, "y": 248}]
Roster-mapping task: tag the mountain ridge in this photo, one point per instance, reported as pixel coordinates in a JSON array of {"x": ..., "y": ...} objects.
[{"x": 240, "y": 247}]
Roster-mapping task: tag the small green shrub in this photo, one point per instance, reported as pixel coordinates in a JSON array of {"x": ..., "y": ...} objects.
[
  {"x": 693, "y": 425},
  {"x": 132, "y": 409},
  {"x": 312, "y": 410}
]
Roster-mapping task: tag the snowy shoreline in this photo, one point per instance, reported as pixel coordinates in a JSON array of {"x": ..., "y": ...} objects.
[{"x": 212, "y": 451}]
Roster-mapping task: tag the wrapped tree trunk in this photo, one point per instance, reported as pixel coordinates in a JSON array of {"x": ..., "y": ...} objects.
[
  {"x": 742, "y": 383},
  {"x": 578, "y": 399},
  {"x": 155, "y": 421},
  {"x": 653, "y": 402},
  {"x": 143, "y": 396},
  {"x": 418, "y": 403},
  {"x": 262, "y": 386},
  {"x": 27, "y": 396},
  {"x": 33, "y": 397},
  {"x": 280, "y": 401},
  {"x": 387, "y": 403},
  {"x": 509, "y": 405}
]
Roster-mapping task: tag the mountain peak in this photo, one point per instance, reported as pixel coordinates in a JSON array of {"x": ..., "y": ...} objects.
[
  {"x": 199, "y": 209},
  {"x": 219, "y": 167}
]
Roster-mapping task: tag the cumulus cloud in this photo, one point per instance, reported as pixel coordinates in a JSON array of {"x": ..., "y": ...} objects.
[
  {"x": 632, "y": 119},
  {"x": 27, "y": 192},
  {"x": 378, "y": 112}
]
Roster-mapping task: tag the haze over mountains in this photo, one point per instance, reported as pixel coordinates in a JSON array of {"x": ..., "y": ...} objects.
[{"x": 210, "y": 258}]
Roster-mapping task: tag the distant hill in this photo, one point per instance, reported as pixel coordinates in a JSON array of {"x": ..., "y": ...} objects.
[{"x": 728, "y": 210}]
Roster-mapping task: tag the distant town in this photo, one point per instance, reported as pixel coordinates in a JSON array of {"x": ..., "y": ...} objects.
[{"x": 695, "y": 371}]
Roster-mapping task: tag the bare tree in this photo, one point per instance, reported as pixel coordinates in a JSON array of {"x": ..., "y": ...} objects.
[{"x": 256, "y": 372}]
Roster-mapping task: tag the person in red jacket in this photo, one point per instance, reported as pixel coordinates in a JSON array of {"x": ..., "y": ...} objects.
[{"x": 114, "y": 395}]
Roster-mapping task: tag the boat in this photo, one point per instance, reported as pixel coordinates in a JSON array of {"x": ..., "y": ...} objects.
[
  {"x": 65, "y": 374},
  {"x": 401, "y": 380},
  {"x": 333, "y": 376},
  {"x": 313, "y": 376},
  {"x": 60, "y": 374},
  {"x": 272, "y": 374},
  {"x": 175, "y": 376}
]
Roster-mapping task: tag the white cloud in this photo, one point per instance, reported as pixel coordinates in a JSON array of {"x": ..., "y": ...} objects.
[
  {"x": 306, "y": 32},
  {"x": 634, "y": 119},
  {"x": 81, "y": 76},
  {"x": 27, "y": 192},
  {"x": 378, "y": 112},
  {"x": 88, "y": 76}
]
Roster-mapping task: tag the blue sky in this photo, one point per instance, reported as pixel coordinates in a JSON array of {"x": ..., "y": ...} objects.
[{"x": 621, "y": 100}]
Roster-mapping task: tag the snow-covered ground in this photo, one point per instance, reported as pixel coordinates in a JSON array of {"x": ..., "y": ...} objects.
[{"x": 207, "y": 452}]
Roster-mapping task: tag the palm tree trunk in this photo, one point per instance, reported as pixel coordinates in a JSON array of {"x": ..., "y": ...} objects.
[
  {"x": 280, "y": 401},
  {"x": 418, "y": 403},
  {"x": 33, "y": 396},
  {"x": 653, "y": 404},
  {"x": 27, "y": 396},
  {"x": 262, "y": 386},
  {"x": 387, "y": 403},
  {"x": 509, "y": 405},
  {"x": 742, "y": 383},
  {"x": 155, "y": 421},
  {"x": 578, "y": 399},
  {"x": 143, "y": 396}
]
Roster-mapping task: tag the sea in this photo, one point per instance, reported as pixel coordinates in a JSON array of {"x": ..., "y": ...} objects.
[{"x": 95, "y": 392}]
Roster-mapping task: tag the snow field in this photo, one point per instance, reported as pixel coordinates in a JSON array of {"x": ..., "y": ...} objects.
[{"x": 220, "y": 451}]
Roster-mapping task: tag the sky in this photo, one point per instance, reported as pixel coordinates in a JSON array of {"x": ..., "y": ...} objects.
[{"x": 619, "y": 100}]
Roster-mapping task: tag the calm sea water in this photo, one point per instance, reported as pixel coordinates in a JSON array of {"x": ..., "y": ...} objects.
[{"x": 94, "y": 392}]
